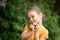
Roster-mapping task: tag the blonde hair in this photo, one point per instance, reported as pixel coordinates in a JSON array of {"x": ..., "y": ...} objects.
[{"x": 35, "y": 8}]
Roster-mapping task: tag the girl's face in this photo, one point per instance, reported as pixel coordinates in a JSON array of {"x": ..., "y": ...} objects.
[{"x": 34, "y": 17}]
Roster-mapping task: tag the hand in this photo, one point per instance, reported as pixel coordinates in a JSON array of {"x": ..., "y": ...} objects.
[
  {"x": 37, "y": 28},
  {"x": 36, "y": 32},
  {"x": 32, "y": 27}
]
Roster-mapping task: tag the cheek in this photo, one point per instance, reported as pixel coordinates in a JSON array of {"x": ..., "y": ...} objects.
[{"x": 36, "y": 19}]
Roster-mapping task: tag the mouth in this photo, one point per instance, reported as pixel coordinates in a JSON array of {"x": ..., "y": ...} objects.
[{"x": 34, "y": 23}]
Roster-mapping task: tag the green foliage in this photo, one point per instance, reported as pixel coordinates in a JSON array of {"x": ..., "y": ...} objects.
[{"x": 13, "y": 19}]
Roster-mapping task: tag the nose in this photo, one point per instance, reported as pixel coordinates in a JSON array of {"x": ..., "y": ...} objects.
[{"x": 31, "y": 20}]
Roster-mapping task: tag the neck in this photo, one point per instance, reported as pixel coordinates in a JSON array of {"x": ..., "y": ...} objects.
[{"x": 40, "y": 23}]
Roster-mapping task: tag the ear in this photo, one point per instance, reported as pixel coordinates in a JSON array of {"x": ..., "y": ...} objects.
[{"x": 40, "y": 15}]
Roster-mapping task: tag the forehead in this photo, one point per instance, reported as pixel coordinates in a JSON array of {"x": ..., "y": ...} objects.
[{"x": 32, "y": 12}]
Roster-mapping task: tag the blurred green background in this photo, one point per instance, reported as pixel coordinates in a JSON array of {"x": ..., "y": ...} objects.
[{"x": 13, "y": 17}]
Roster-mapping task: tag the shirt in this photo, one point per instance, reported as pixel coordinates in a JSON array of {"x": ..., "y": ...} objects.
[{"x": 42, "y": 34}]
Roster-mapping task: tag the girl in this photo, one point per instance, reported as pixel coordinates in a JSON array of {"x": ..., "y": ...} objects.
[{"x": 34, "y": 30}]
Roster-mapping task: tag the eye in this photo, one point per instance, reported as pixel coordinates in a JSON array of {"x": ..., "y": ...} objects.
[{"x": 32, "y": 16}]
